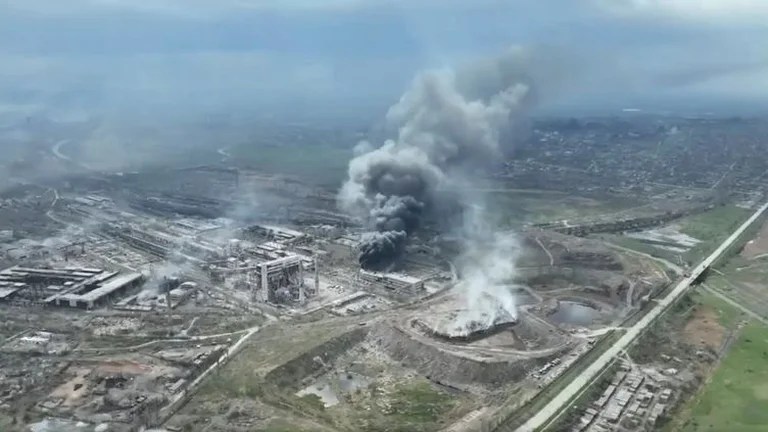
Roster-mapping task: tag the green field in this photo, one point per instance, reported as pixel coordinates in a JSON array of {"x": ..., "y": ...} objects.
[
  {"x": 514, "y": 207},
  {"x": 727, "y": 315},
  {"x": 415, "y": 406},
  {"x": 325, "y": 165},
  {"x": 280, "y": 425},
  {"x": 638, "y": 245},
  {"x": 711, "y": 224},
  {"x": 6, "y": 422},
  {"x": 712, "y": 227},
  {"x": 737, "y": 396}
]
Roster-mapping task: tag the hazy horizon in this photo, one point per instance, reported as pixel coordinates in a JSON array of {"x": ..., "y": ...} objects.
[{"x": 353, "y": 58}]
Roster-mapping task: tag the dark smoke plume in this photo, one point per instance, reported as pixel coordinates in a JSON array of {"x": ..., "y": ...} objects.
[{"x": 446, "y": 123}]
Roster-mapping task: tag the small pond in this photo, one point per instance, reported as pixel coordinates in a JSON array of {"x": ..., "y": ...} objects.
[
  {"x": 332, "y": 386},
  {"x": 575, "y": 313}
]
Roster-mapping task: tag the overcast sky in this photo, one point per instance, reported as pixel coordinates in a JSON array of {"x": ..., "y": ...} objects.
[{"x": 357, "y": 55}]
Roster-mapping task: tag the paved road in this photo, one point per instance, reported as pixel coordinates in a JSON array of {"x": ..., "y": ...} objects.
[
  {"x": 166, "y": 341},
  {"x": 559, "y": 402},
  {"x": 549, "y": 254},
  {"x": 49, "y": 213},
  {"x": 56, "y": 149},
  {"x": 670, "y": 265}
]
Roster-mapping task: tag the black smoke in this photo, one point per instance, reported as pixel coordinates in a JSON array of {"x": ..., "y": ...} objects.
[
  {"x": 379, "y": 249},
  {"x": 446, "y": 122}
]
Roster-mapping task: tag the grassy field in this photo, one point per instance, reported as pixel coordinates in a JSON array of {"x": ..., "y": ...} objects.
[
  {"x": 736, "y": 398},
  {"x": 711, "y": 224},
  {"x": 638, "y": 245},
  {"x": 728, "y": 316},
  {"x": 515, "y": 207},
  {"x": 280, "y": 425},
  {"x": 418, "y": 403},
  {"x": 746, "y": 288},
  {"x": 6, "y": 423},
  {"x": 415, "y": 406},
  {"x": 741, "y": 278},
  {"x": 322, "y": 164},
  {"x": 392, "y": 404},
  {"x": 711, "y": 227},
  {"x": 243, "y": 375}
]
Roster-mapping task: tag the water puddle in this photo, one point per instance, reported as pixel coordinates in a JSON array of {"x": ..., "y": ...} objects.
[
  {"x": 59, "y": 425},
  {"x": 329, "y": 388},
  {"x": 323, "y": 390},
  {"x": 575, "y": 313}
]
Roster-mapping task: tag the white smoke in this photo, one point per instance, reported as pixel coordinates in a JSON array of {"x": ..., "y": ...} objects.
[
  {"x": 447, "y": 123},
  {"x": 158, "y": 273},
  {"x": 487, "y": 269}
]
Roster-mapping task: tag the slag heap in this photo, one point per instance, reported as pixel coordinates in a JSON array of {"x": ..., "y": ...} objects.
[{"x": 459, "y": 327}]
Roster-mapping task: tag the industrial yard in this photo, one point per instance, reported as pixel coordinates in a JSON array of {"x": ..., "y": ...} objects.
[
  {"x": 173, "y": 299},
  {"x": 128, "y": 308},
  {"x": 459, "y": 252},
  {"x": 383, "y": 216}
]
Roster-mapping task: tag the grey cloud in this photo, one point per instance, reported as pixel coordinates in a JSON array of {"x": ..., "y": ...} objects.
[
  {"x": 440, "y": 131},
  {"x": 712, "y": 71}
]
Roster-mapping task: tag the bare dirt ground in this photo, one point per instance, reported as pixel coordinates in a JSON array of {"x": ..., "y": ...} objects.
[
  {"x": 75, "y": 389},
  {"x": 123, "y": 366},
  {"x": 704, "y": 329},
  {"x": 758, "y": 245}
]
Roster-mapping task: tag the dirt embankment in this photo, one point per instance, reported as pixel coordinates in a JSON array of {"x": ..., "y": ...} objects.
[
  {"x": 314, "y": 361},
  {"x": 445, "y": 367}
]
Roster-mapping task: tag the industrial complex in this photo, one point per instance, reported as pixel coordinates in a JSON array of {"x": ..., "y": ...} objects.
[{"x": 591, "y": 280}]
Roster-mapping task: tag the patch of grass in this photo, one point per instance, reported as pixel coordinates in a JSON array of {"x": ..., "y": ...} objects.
[
  {"x": 274, "y": 345},
  {"x": 321, "y": 163},
  {"x": 420, "y": 403},
  {"x": 282, "y": 425},
  {"x": 713, "y": 223},
  {"x": 712, "y": 227},
  {"x": 5, "y": 422},
  {"x": 736, "y": 398},
  {"x": 515, "y": 207},
  {"x": 410, "y": 407},
  {"x": 728, "y": 316},
  {"x": 638, "y": 245},
  {"x": 313, "y": 400}
]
